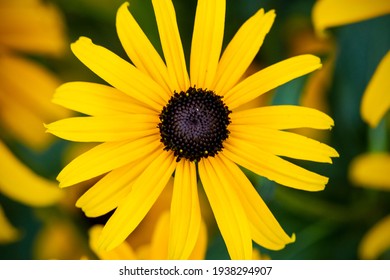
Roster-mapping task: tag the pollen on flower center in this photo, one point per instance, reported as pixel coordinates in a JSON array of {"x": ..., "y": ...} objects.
[{"x": 194, "y": 124}]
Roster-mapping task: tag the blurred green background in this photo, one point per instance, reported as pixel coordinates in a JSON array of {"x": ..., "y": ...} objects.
[{"x": 328, "y": 224}]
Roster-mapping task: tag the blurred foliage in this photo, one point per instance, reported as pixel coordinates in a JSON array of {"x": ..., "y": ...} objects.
[{"x": 328, "y": 224}]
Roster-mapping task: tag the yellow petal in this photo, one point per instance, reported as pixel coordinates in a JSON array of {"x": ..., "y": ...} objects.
[
  {"x": 266, "y": 231},
  {"x": 199, "y": 252},
  {"x": 134, "y": 206},
  {"x": 284, "y": 143},
  {"x": 144, "y": 231},
  {"x": 18, "y": 182},
  {"x": 270, "y": 78},
  {"x": 376, "y": 241},
  {"x": 282, "y": 117},
  {"x": 207, "y": 42},
  {"x": 97, "y": 100},
  {"x": 332, "y": 13},
  {"x": 119, "y": 73},
  {"x": 105, "y": 128},
  {"x": 241, "y": 51},
  {"x": 259, "y": 256},
  {"x": 140, "y": 50},
  {"x": 122, "y": 252},
  {"x": 185, "y": 212},
  {"x": 8, "y": 232},
  {"x": 108, "y": 192},
  {"x": 376, "y": 98},
  {"x": 272, "y": 167},
  {"x": 160, "y": 237},
  {"x": 171, "y": 44},
  {"x": 227, "y": 208},
  {"x": 106, "y": 157},
  {"x": 32, "y": 26},
  {"x": 371, "y": 170}
]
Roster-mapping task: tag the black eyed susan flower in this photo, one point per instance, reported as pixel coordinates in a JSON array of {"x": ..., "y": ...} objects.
[
  {"x": 35, "y": 28},
  {"x": 157, "y": 119}
]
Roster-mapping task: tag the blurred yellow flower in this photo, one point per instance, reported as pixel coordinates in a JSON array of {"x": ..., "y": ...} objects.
[
  {"x": 157, "y": 120},
  {"x": 371, "y": 170},
  {"x": 368, "y": 170},
  {"x": 26, "y": 88}
]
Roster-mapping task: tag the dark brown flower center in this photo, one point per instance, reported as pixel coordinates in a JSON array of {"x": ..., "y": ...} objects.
[{"x": 194, "y": 124}]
